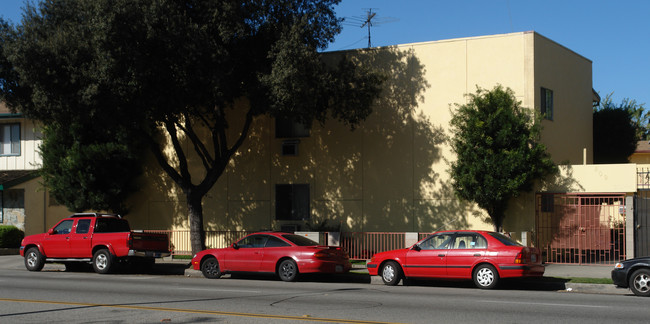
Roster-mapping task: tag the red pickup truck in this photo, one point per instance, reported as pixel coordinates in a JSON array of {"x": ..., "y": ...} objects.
[{"x": 101, "y": 239}]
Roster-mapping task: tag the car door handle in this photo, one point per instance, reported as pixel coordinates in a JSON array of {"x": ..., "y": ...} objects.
[
  {"x": 441, "y": 255},
  {"x": 477, "y": 254}
]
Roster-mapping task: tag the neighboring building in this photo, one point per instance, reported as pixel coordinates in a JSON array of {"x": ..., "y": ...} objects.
[
  {"x": 19, "y": 161},
  {"x": 642, "y": 153}
]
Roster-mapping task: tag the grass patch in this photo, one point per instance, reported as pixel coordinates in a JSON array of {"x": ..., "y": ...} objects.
[
  {"x": 606, "y": 281},
  {"x": 181, "y": 257}
]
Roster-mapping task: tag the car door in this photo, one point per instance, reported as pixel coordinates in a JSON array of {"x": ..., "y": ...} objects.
[
  {"x": 464, "y": 252},
  {"x": 274, "y": 249},
  {"x": 428, "y": 259},
  {"x": 247, "y": 254},
  {"x": 56, "y": 243},
  {"x": 80, "y": 239}
]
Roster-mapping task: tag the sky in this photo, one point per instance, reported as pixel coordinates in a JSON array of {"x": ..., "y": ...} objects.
[{"x": 614, "y": 34}]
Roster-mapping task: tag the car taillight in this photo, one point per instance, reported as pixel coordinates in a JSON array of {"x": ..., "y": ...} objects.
[
  {"x": 519, "y": 258},
  {"x": 129, "y": 241}
]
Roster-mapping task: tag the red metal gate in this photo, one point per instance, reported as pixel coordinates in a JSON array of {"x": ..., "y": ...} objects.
[{"x": 581, "y": 229}]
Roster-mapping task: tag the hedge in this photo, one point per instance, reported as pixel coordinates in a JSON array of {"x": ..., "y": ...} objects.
[{"x": 10, "y": 236}]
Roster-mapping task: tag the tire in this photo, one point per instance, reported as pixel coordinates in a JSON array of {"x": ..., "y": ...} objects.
[
  {"x": 102, "y": 261},
  {"x": 640, "y": 282},
  {"x": 34, "y": 260},
  {"x": 210, "y": 268},
  {"x": 486, "y": 277},
  {"x": 288, "y": 270},
  {"x": 391, "y": 273}
]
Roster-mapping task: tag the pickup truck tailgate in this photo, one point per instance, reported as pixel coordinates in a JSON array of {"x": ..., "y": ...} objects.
[{"x": 149, "y": 242}]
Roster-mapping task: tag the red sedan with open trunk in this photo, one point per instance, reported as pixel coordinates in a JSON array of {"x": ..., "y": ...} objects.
[
  {"x": 284, "y": 254},
  {"x": 482, "y": 256}
]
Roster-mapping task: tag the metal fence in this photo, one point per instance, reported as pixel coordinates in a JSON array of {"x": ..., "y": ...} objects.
[
  {"x": 581, "y": 229},
  {"x": 359, "y": 245}
]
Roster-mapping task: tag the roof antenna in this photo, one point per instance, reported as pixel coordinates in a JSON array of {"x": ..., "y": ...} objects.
[{"x": 368, "y": 23}]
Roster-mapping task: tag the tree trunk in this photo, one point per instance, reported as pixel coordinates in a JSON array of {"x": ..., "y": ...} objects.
[{"x": 195, "y": 210}]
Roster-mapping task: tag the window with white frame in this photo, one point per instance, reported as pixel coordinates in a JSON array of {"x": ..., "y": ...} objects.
[{"x": 9, "y": 139}]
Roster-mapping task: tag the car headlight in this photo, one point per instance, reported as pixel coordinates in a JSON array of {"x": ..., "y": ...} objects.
[{"x": 619, "y": 266}]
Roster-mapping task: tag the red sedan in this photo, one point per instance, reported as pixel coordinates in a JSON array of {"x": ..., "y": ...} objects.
[
  {"x": 482, "y": 256},
  {"x": 284, "y": 254}
]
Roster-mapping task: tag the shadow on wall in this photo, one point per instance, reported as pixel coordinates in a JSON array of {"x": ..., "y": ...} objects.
[{"x": 382, "y": 176}]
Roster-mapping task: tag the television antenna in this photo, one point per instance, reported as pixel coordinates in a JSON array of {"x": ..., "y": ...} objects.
[{"x": 368, "y": 21}]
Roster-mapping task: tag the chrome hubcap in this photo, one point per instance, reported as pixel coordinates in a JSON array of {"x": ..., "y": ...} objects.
[
  {"x": 485, "y": 277},
  {"x": 101, "y": 261},
  {"x": 388, "y": 273},
  {"x": 31, "y": 259}
]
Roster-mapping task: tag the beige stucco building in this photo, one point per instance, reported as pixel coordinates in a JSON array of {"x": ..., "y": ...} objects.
[{"x": 392, "y": 172}]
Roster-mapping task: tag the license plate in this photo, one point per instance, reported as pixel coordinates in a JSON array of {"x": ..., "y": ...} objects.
[{"x": 339, "y": 268}]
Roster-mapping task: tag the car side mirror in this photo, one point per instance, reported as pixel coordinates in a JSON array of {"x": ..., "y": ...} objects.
[
  {"x": 235, "y": 246},
  {"x": 51, "y": 231},
  {"x": 416, "y": 247}
]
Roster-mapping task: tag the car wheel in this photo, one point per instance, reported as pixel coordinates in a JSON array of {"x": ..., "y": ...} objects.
[
  {"x": 640, "y": 282},
  {"x": 288, "y": 270},
  {"x": 391, "y": 273},
  {"x": 34, "y": 260},
  {"x": 486, "y": 277},
  {"x": 210, "y": 268},
  {"x": 102, "y": 261}
]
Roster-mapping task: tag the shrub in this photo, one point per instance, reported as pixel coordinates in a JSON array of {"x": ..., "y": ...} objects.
[{"x": 10, "y": 236}]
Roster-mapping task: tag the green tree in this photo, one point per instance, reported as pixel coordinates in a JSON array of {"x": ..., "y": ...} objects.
[
  {"x": 174, "y": 70},
  {"x": 497, "y": 148},
  {"x": 617, "y": 128}
]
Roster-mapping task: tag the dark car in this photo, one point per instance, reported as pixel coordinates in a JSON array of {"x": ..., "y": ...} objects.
[
  {"x": 633, "y": 274},
  {"x": 284, "y": 254}
]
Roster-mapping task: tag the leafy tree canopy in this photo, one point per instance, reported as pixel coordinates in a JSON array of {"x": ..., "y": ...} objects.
[
  {"x": 177, "y": 68},
  {"x": 617, "y": 128},
  {"x": 497, "y": 148}
]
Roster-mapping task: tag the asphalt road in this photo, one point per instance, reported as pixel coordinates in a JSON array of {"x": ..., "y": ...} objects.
[{"x": 53, "y": 296}]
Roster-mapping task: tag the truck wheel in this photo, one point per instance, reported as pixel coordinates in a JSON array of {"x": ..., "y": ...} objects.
[
  {"x": 102, "y": 261},
  {"x": 34, "y": 260},
  {"x": 210, "y": 268}
]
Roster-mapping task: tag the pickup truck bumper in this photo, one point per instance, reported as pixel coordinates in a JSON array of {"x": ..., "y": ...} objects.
[{"x": 149, "y": 254}]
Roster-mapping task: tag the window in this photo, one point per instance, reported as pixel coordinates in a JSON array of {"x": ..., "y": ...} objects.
[
  {"x": 287, "y": 128},
  {"x": 276, "y": 242},
  {"x": 292, "y": 202},
  {"x": 83, "y": 226},
  {"x": 111, "y": 225},
  {"x": 438, "y": 241},
  {"x": 299, "y": 240},
  {"x": 10, "y": 139},
  {"x": 290, "y": 147},
  {"x": 469, "y": 241},
  {"x": 547, "y": 103},
  {"x": 64, "y": 227},
  {"x": 253, "y": 241}
]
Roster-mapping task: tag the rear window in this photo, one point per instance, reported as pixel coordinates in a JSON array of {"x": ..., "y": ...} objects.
[
  {"x": 111, "y": 225},
  {"x": 299, "y": 240},
  {"x": 504, "y": 239}
]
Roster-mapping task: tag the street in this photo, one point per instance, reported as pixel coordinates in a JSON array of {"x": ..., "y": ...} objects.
[{"x": 82, "y": 297}]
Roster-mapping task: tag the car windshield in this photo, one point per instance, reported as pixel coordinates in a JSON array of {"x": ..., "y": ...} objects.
[
  {"x": 504, "y": 239},
  {"x": 299, "y": 240}
]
